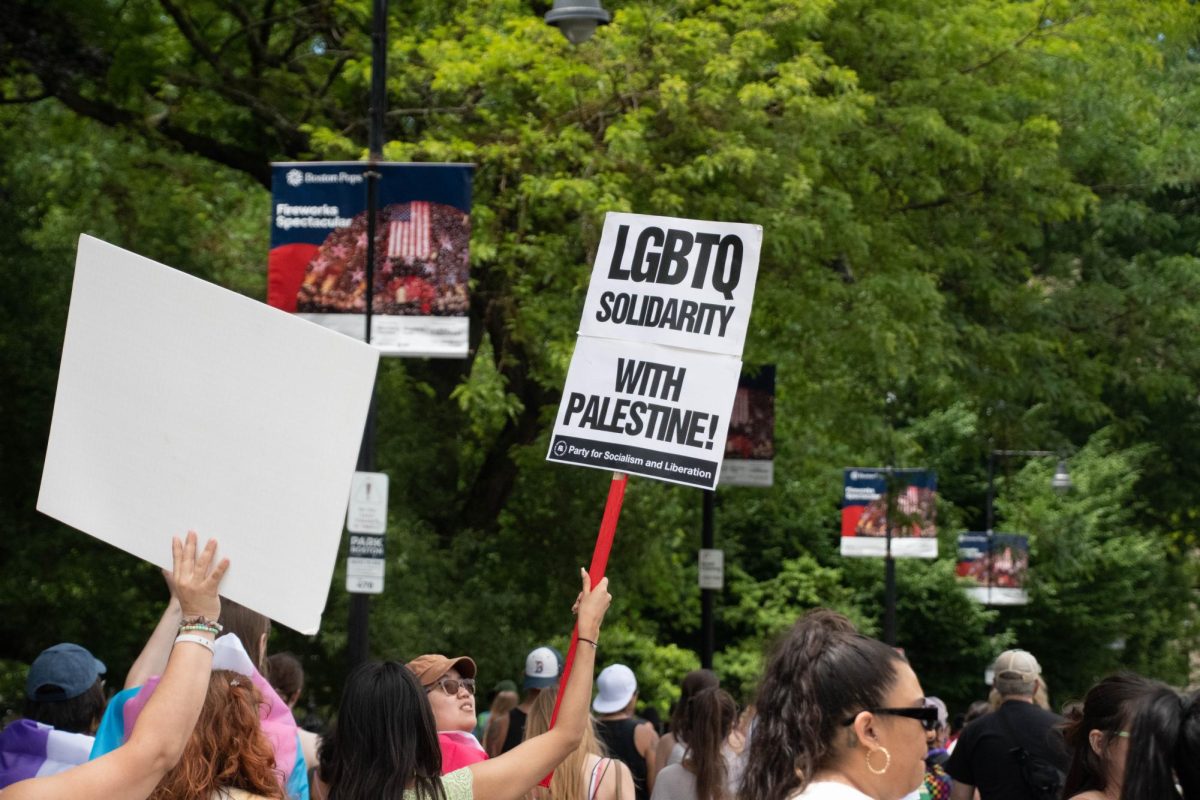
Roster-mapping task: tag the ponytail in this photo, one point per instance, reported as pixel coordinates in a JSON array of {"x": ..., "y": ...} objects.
[
  {"x": 821, "y": 672},
  {"x": 710, "y": 718}
]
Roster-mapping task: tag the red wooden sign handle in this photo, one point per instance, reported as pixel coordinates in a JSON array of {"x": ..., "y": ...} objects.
[{"x": 608, "y": 529}]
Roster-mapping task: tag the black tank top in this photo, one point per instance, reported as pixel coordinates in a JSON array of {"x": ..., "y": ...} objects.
[
  {"x": 617, "y": 735},
  {"x": 516, "y": 730}
]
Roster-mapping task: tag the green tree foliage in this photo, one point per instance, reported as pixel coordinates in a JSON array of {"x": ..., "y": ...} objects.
[{"x": 978, "y": 234}]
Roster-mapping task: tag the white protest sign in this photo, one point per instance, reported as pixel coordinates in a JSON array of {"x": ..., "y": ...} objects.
[
  {"x": 646, "y": 410},
  {"x": 678, "y": 282},
  {"x": 656, "y": 364},
  {"x": 182, "y": 406}
]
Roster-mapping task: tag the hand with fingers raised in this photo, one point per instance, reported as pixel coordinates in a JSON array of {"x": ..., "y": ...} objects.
[{"x": 195, "y": 578}]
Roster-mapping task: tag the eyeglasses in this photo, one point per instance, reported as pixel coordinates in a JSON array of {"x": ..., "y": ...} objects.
[
  {"x": 927, "y": 715},
  {"x": 451, "y": 685}
]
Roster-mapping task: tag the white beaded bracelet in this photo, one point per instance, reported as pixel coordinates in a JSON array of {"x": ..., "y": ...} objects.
[{"x": 194, "y": 639}]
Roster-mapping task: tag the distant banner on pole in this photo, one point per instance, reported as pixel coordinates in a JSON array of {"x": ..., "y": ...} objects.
[
  {"x": 317, "y": 264},
  {"x": 912, "y": 516},
  {"x": 994, "y": 567},
  {"x": 655, "y": 370},
  {"x": 750, "y": 443}
]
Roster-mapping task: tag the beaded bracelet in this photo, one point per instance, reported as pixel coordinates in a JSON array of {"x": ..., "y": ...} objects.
[
  {"x": 202, "y": 620},
  {"x": 193, "y": 639},
  {"x": 201, "y": 627}
]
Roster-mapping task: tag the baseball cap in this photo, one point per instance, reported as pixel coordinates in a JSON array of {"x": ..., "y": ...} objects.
[
  {"x": 943, "y": 714},
  {"x": 62, "y": 672},
  {"x": 431, "y": 667},
  {"x": 543, "y": 666},
  {"x": 1016, "y": 672},
  {"x": 505, "y": 686},
  {"x": 616, "y": 684}
]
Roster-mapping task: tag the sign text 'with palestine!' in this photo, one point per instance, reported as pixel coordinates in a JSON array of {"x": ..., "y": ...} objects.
[
  {"x": 700, "y": 260},
  {"x": 637, "y": 416}
]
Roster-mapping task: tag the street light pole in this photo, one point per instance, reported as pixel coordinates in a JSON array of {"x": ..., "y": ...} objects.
[{"x": 358, "y": 644}]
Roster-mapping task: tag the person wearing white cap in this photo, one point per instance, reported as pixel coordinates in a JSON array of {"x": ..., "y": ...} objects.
[
  {"x": 543, "y": 666},
  {"x": 998, "y": 752},
  {"x": 628, "y": 738}
]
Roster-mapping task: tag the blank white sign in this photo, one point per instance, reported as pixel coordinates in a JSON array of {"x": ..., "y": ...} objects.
[{"x": 184, "y": 406}]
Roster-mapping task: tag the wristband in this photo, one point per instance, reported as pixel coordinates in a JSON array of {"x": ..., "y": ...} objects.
[
  {"x": 194, "y": 639},
  {"x": 595, "y": 645},
  {"x": 208, "y": 627},
  {"x": 200, "y": 619}
]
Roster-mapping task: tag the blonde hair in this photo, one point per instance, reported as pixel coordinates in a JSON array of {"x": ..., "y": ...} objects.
[{"x": 567, "y": 782}]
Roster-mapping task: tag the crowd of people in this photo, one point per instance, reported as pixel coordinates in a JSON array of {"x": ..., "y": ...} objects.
[{"x": 206, "y": 714}]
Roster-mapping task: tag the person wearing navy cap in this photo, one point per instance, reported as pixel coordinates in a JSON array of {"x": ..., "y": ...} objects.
[{"x": 65, "y": 688}]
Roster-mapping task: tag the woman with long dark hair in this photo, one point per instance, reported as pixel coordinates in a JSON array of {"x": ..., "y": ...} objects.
[
  {"x": 840, "y": 716},
  {"x": 1124, "y": 741},
  {"x": 703, "y": 774},
  {"x": 384, "y": 746}
]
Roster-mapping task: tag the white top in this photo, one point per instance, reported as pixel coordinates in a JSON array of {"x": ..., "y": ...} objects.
[{"x": 828, "y": 790}]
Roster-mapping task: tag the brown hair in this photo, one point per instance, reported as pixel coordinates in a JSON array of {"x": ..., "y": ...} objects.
[
  {"x": 821, "y": 672},
  {"x": 709, "y": 721},
  {"x": 286, "y": 675},
  {"x": 250, "y": 628},
  {"x": 227, "y": 748},
  {"x": 567, "y": 782}
]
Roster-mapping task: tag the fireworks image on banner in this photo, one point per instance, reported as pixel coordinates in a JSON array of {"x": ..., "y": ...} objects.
[{"x": 421, "y": 264}]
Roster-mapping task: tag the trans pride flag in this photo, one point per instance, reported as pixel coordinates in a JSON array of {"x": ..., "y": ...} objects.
[
  {"x": 277, "y": 721},
  {"x": 30, "y": 749}
]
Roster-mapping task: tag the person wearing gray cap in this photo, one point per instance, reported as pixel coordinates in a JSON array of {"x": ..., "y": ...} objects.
[{"x": 1017, "y": 751}]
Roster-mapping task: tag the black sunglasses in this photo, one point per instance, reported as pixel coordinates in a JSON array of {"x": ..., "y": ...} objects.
[{"x": 927, "y": 715}]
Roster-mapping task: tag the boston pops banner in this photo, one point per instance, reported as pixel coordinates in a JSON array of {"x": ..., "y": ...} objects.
[
  {"x": 317, "y": 264},
  {"x": 912, "y": 516},
  {"x": 652, "y": 381},
  {"x": 994, "y": 567},
  {"x": 750, "y": 443}
]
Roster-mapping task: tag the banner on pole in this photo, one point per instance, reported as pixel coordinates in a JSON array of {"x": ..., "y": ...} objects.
[
  {"x": 750, "y": 443},
  {"x": 912, "y": 515},
  {"x": 317, "y": 264},
  {"x": 182, "y": 405},
  {"x": 656, "y": 364},
  {"x": 994, "y": 567}
]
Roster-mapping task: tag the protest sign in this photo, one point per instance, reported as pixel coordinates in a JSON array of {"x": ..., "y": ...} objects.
[
  {"x": 678, "y": 282},
  {"x": 646, "y": 410},
  {"x": 750, "y": 443},
  {"x": 182, "y": 405},
  {"x": 655, "y": 368},
  {"x": 911, "y": 514},
  {"x": 319, "y": 244},
  {"x": 994, "y": 567}
]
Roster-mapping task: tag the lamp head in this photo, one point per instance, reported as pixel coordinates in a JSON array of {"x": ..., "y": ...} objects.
[{"x": 577, "y": 19}]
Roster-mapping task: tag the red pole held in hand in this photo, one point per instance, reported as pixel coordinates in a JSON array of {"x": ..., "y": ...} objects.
[{"x": 608, "y": 529}]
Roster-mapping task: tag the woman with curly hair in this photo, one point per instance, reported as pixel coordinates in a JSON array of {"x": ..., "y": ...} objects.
[
  {"x": 841, "y": 716},
  {"x": 228, "y": 756}
]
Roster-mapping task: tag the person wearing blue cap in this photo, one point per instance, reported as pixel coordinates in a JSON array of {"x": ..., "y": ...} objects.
[{"x": 64, "y": 699}]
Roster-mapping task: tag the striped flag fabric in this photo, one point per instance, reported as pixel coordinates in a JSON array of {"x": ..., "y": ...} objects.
[
  {"x": 30, "y": 749},
  {"x": 408, "y": 233}
]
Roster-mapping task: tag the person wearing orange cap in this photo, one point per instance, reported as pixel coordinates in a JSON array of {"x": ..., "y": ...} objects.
[{"x": 450, "y": 686}]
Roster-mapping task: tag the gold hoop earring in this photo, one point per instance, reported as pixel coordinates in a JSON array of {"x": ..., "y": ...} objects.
[{"x": 887, "y": 763}]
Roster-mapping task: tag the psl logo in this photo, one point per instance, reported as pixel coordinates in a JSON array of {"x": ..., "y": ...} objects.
[{"x": 560, "y": 447}]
